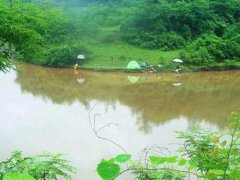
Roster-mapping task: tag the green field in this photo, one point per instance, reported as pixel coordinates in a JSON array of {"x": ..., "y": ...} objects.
[
  {"x": 115, "y": 57},
  {"x": 109, "y": 56}
]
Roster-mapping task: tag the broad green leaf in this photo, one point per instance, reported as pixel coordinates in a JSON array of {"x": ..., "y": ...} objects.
[
  {"x": 182, "y": 162},
  {"x": 235, "y": 151},
  {"x": 156, "y": 160},
  {"x": 192, "y": 165},
  {"x": 217, "y": 172},
  {"x": 122, "y": 158},
  {"x": 108, "y": 161},
  {"x": 215, "y": 150},
  {"x": 111, "y": 160},
  {"x": 214, "y": 139},
  {"x": 172, "y": 159},
  {"x": 23, "y": 176},
  {"x": 107, "y": 170},
  {"x": 224, "y": 143}
]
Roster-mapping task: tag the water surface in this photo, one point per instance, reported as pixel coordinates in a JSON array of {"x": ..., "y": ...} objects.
[{"x": 74, "y": 112}]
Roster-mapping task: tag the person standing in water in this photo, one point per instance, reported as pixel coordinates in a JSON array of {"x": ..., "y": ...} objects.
[
  {"x": 80, "y": 57},
  {"x": 75, "y": 66}
]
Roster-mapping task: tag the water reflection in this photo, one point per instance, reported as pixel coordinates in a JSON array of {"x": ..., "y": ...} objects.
[
  {"x": 133, "y": 79},
  {"x": 80, "y": 78},
  {"x": 208, "y": 96},
  {"x": 177, "y": 84}
]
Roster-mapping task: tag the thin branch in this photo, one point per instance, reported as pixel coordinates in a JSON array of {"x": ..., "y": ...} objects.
[
  {"x": 230, "y": 149},
  {"x": 93, "y": 128}
]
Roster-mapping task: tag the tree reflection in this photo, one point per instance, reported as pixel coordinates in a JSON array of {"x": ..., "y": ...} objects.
[{"x": 208, "y": 96}]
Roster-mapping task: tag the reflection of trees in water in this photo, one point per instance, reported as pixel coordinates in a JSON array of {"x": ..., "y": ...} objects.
[
  {"x": 208, "y": 96},
  {"x": 61, "y": 86},
  {"x": 143, "y": 125}
]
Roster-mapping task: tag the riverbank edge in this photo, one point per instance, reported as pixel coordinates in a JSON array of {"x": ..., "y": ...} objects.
[
  {"x": 216, "y": 67},
  {"x": 185, "y": 69}
]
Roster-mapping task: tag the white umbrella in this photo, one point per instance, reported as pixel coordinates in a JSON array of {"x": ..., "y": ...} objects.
[
  {"x": 177, "y": 61},
  {"x": 81, "y": 56}
]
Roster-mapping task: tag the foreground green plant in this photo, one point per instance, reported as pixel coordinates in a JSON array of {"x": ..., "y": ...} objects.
[
  {"x": 215, "y": 155},
  {"x": 203, "y": 154},
  {"x": 111, "y": 168},
  {"x": 22, "y": 176},
  {"x": 45, "y": 166}
]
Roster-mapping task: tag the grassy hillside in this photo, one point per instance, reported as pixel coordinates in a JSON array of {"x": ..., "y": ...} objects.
[{"x": 116, "y": 56}]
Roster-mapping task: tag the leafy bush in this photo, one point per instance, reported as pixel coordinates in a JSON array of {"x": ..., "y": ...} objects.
[
  {"x": 211, "y": 49},
  {"x": 166, "y": 41},
  {"x": 38, "y": 31},
  {"x": 203, "y": 154},
  {"x": 157, "y": 24},
  {"x": 64, "y": 55},
  {"x": 213, "y": 156},
  {"x": 45, "y": 166}
]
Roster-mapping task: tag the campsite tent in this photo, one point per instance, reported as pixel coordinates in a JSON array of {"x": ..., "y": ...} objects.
[{"x": 133, "y": 65}]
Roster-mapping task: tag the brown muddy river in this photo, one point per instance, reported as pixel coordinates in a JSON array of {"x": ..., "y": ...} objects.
[{"x": 80, "y": 113}]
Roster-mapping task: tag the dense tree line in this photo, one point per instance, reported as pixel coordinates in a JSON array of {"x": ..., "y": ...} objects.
[
  {"x": 209, "y": 28},
  {"x": 207, "y": 31},
  {"x": 179, "y": 20},
  {"x": 41, "y": 34}
]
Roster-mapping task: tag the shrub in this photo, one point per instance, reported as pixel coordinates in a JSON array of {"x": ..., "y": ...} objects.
[
  {"x": 64, "y": 55},
  {"x": 45, "y": 166},
  {"x": 211, "y": 49},
  {"x": 34, "y": 29},
  {"x": 155, "y": 21},
  {"x": 164, "y": 41}
]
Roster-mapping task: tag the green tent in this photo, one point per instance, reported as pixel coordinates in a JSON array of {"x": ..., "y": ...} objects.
[{"x": 133, "y": 65}]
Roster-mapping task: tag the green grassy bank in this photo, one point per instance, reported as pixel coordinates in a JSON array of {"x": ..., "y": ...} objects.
[
  {"x": 116, "y": 56},
  {"x": 110, "y": 57}
]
